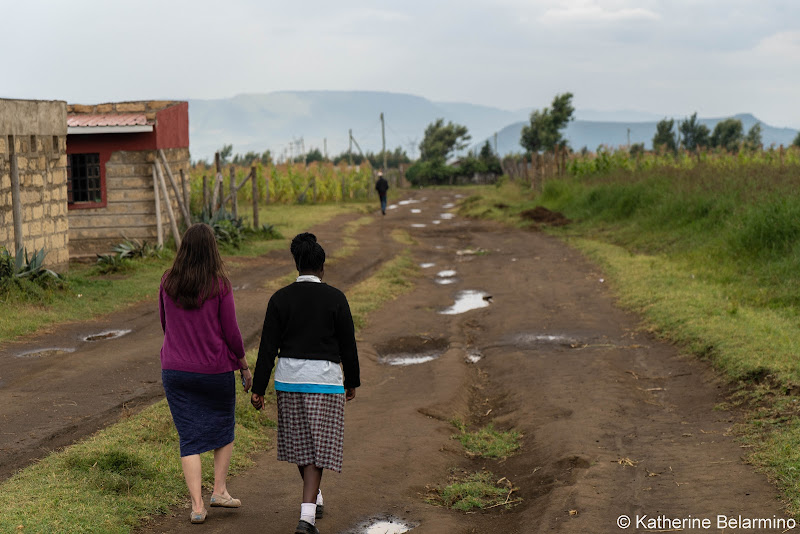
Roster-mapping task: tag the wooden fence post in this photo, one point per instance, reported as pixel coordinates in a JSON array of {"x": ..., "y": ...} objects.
[
  {"x": 172, "y": 221},
  {"x": 187, "y": 217},
  {"x": 215, "y": 189},
  {"x": 254, "y": 189},
  {"x": 186, "y": 200},
  {"x": 234, "y": 192},
  {"x": 159, "y": 227}
]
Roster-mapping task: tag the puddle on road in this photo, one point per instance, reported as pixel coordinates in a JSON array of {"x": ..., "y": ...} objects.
[
  {"x": 547, "y": 339},
  {"x": 436, "y": 222},
  {"x": 446, "y": 281},
  {"x": 391, "y": 207},
  {"x": 407, "y": 202},
  {"x": 416, "y": 210},
  {"x": 446, "y": 274},
  {"x": 238, "y": 288},
  {"x": 108, "y": 334},
  {"x": 467, "y": 300},
  {"x": 411, "y": 350},
  {"x": 474, "y": 355},
  {"x": 384, "y": 525},
  {"x": 44, "y": 353},
  {"x": 418, "y": 225},
  {"x": 426, "y": 265},
  {"x": 448, "y": 206},
  {"x": 446, "y": 216}
]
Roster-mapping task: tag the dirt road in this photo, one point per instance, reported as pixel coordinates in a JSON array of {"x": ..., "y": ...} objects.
[{"x": 614, "y": 422}]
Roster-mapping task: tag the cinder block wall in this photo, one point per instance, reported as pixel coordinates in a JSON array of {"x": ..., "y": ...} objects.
[
  {"x": 36, "y": 132},
  {"x": 130, "y": 212}
]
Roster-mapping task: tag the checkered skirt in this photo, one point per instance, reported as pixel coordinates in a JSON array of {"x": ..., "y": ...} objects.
[{"x": 311, "y": 429}]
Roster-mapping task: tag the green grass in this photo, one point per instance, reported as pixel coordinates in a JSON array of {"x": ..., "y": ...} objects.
[
  {"x": 487, "y": 442},
  {"x": 475, "y": 491},
  {"x": 109, "y": 482},
  {"x": 89, "y": 294}
]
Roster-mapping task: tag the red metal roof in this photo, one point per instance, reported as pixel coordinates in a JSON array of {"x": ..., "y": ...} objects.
[{"x": 107, "y": 119}]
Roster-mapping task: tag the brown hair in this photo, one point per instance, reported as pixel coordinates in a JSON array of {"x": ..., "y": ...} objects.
[{"x": 197, "y": 273}]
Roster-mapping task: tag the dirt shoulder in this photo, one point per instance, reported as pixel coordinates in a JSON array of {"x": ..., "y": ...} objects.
[{"x": 615, "y": 422}]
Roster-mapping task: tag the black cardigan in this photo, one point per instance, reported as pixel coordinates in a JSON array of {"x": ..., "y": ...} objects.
[{"x": 310, "y": 321}]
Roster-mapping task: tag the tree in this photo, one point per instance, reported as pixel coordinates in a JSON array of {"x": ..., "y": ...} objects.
[
  {"x": 544, "y": 131},
  {"x": 225, "y": 153},
  {"x": 796, "y": 141},
  {"x": 441, "y": 140},
  {"x": 694, "y": 135},
  {"x": 489, "y": 160},
  {"x": 728, "y": 135},
  {"x": 753, "y": 138},
  {"x": 664, "y": 136}
]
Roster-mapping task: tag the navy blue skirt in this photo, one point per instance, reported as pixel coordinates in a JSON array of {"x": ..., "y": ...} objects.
[{"x": 203, "y": 408}]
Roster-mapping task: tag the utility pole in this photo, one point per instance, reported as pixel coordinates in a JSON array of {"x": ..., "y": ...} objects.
[
  {"x": 383, "y": 143},
  {"x": 350, "y": 148},
  {"x": 495, "y": 145},
  {"x": 325, "y": 147},
  {"x": 629, "y": 137}
]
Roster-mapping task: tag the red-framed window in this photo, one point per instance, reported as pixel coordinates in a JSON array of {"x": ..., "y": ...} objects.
[{"x": 84, "y": 180}]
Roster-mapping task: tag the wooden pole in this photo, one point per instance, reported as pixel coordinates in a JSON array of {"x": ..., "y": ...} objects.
[
  {"x": 187, "y": 217},
  {"x": 234, "y": 193},
  {"x": 205, "y": 192},
  {"x": 178, "y": 195},
  {"x": 215, "y": 190},
  {"x": 172, "y": 222},
  {"x": 184, "y": 186},
  {"x": 16, "y": 197},
  {"x": 159, "y": 227},
  {"x": 254, "y": 190}
]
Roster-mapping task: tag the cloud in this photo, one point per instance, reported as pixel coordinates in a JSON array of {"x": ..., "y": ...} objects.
[{"x": 594, "y": 12}]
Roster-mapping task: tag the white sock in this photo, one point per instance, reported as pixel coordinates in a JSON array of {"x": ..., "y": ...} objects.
[
  {"x": 319, "y": 497},
  {"x": 308, "y": 512}
]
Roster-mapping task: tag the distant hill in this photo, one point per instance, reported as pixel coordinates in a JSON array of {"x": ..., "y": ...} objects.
[
  {"x": 256, "y": 122},
  {"x": 591, "y": 134}
]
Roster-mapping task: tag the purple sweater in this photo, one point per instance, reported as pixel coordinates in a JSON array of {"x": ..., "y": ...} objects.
[{"x": 204, "y": 340}]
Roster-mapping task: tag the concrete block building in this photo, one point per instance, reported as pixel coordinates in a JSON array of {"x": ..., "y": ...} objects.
[
  {"x": 33, "y": 178},
  {"x": 111, "y": 149}
]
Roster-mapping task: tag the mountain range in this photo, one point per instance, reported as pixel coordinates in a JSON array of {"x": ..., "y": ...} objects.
[{"x": 287, "y": 122}]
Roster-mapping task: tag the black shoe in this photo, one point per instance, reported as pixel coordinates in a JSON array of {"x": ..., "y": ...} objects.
[
  {"x": 383, "y": 212},
  {"x": 320, "y": 511},
  {"x": 304, "y": 527}
]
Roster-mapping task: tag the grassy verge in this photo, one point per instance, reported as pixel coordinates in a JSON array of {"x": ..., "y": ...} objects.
[
  {"x": 129, "y": 471},
  {"x": 711, "y": 261},
  {"x": 89, "y": 294},
  {"x": 474, "y": 491},
  {"x": 487, "y": 442}
]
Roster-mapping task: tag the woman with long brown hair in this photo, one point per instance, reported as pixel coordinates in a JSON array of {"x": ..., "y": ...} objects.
[{"x": 202, "y": 349}]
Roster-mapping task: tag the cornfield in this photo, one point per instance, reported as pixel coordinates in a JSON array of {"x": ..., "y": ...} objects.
[{"x": 290, "y": 183}]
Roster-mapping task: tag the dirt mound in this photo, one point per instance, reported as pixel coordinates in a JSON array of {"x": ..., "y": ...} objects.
[{"x": 542, "y": 215}]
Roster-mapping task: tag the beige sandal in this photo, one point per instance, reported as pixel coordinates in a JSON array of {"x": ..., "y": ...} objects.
[
  {"x": 230, "y": 502},
  {"x": 198, "y": 517}
]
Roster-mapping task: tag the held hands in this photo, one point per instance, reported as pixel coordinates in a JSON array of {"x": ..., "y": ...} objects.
[
  {"x": 349, "y": 394},
  {"x": 257, "y": 401}
]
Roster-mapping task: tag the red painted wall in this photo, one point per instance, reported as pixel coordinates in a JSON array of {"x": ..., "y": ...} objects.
[{"x": 172, "y": 126}]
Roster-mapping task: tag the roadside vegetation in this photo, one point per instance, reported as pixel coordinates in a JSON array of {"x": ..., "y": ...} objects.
[
  {"x": 487, "y": 442},
  {"x": 706, "y": 246},
  {"x": 130, "y": 471},
  {"x": 467, "y": 492}
]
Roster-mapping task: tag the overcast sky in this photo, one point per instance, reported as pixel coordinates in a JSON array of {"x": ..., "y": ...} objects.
[{"x": 668, "y": 57}]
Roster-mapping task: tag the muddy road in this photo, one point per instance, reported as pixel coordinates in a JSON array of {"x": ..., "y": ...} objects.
[{"x": 614, "y": 422}]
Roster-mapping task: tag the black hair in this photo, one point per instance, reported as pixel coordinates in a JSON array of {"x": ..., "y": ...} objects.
[{"x": 308, "y": 254}]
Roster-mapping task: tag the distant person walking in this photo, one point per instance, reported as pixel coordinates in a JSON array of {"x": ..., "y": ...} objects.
[
  {"x": 309, "y": 327},
  {"x": 382, "y": 186},
  {"x": 202, "y": 349}
]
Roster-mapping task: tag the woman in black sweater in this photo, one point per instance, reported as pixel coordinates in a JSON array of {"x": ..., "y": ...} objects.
[{"x": 309, "y": 326}]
